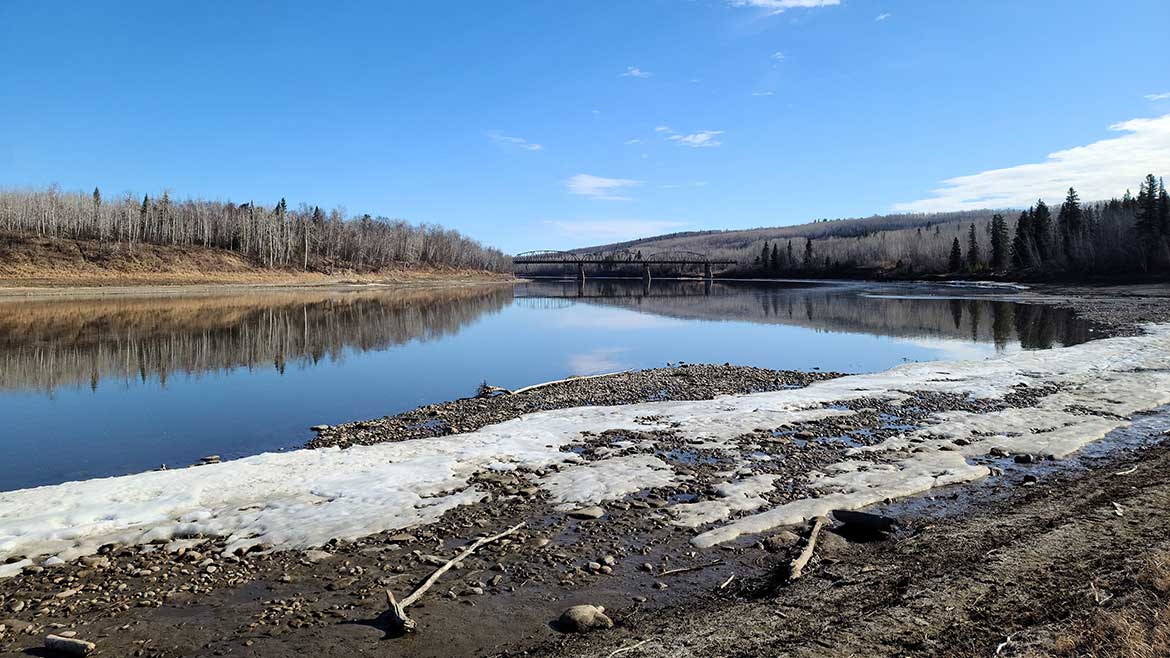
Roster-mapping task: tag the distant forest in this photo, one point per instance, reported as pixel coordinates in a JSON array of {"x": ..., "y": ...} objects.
[
  {"x": 1129, "y": 235},
  {"x": 305, "y": 238}
]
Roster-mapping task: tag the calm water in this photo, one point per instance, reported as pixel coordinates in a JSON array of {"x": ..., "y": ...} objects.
[{"x": 103, "y": 387}]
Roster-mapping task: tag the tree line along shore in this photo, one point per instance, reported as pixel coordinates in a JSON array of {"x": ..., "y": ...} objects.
[
  {"x": 1122, "y": 237},
  {"x": 305, "y": 239}
]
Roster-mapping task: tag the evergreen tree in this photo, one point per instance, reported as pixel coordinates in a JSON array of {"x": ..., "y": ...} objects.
[
  {"x": 1163, "y": 208},
  {"x": 1147, "y": 208},
  {"x": 765, "y": 255},
  {"x": 1022, "y": 249},
  {"x": 956, "y": 262},
  {"x": 1042, "y": 231},
  {"x": 774, "y": 262},
  {"x": 999, "y": 242},
  {"x": 972, "y": 249},
  {"x": 791, "y": 262},
  {"x": 1072, "y": 227},
  {"x": 808, "y": 254}
]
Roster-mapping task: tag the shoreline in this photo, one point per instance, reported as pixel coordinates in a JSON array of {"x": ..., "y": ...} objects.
[
  {"x": 329, "y": 600},
  {"x": 16, "y": 290}
]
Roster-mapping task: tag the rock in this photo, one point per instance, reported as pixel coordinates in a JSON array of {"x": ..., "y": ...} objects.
[
  {"x": 210, "y": 459},
  {"x": 16, "y": 606},
  {"x": 53, "y": 561},
  {"x": 584, "y": 618},
  {"x": 658, "y": 584},
  {"x": 831, "y": 543},
  {"x": 401, "y": 538},
  {"x": 781, "y": 541},
  {"x": 587, "y": 513},
  {"x": 69, "y": 646},
  {"x": 95, "y": 561},
  {"x": 608, "y": 560},
  {"x": 1030, "y": 480},
  {"x": 999, "y": 452},
  {"x": 318, "y": 428},
  {"x": 594, "y": 566},
  {"x": 315, "y": 556},
  {"x": 1025, "y": 459}
]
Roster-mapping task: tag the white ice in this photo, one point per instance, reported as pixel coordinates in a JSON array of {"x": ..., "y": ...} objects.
[{"x": 304, "y": 498}]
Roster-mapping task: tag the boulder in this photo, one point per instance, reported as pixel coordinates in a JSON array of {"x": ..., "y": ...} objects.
[
  {"x": 68, "y": 646},
  {"x": 584, "y": 618}
]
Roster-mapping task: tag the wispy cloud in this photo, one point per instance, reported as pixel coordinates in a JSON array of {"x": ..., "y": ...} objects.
[
  {"x": 517, "y": 142},
  {"x": 1158, "y": 97},
  {"x": 882, "y": 17},
  {"x": 778, "y": 56},
  {"x": 763, "y": 93},
  {"x": 778, "y": 6},
  {"x": 635, "y": 72},
  {"x": 611, "y": 230},
  {"x": 596, "y": 187},
  {"x": 663, "y": 129},
  {"x": 633, "y": 141},
  {"x": 701, "y": 139},
  {"x": 1100, "y": 170}
]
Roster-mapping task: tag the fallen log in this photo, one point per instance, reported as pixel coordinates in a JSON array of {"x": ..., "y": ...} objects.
[
  {"x": 797, "y": 567},
  {"x": 397, "y": 611}
]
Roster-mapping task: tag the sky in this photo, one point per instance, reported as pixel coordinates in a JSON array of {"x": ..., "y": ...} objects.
[{"x": 549, "y": 125}]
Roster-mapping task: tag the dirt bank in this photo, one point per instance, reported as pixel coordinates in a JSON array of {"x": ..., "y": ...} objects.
[{"x": 43, "y": 266}]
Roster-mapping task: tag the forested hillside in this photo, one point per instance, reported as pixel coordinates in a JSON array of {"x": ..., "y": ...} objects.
[
  {"x": 1126, "y": 235},
  {"x": 306, "y": 238}
]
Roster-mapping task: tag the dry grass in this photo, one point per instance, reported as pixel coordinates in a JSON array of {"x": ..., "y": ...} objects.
[{"x": 1137, "y": 627}]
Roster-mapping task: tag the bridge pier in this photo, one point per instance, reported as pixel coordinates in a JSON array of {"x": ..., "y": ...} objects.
[
  {"x": 646, "y": 272},
  {"x": 707, "y": 271},
  {"x": 581, "y": 272}
]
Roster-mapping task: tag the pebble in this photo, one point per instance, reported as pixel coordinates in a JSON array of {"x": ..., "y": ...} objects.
[{"x": 587, "y": 513}]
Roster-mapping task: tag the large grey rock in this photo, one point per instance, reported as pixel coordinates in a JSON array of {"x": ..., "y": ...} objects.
[
  {"x": 584, "y": 618},
  {"x": 587, "y": 513},
  {"x": 68, "y": 646}
]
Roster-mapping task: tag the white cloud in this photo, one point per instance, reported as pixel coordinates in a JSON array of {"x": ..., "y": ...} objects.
[
  {"x": 597, "y": 362},
  {"x": 763, "y": 93},
  {"x": 1101, "y": 170},
  {"x": 701, "y": 139},
  {"x": 612, "y": 230},
  {"x": 778, "y": 56},
  {"x": 1158, "y": 97},
  {"x": 882, "y": 17},
  {"x": 777, "y": 6},
  {"x": 635, "y": 72},
  {"x": 663, "y": 129},
  {"x": 596, "y": 187},
  {"x": 519, "y": 142},
  {"x": 633, "y": 141}
]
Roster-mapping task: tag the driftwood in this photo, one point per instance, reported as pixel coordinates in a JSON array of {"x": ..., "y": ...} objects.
[
  {"x": 397, "y": 609},
  {"x": 616, "y": 652},
  {"x": 694, "y": 568},
  {"x": 797, "y": 567}
]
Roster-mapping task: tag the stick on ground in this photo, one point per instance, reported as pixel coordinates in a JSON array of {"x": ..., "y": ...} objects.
[
  {"x": 398, "y": 610},
  {"x": 797, "y": 567}
]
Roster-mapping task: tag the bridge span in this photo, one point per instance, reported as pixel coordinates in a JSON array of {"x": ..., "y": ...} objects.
[{"x": 613, "y": 260}]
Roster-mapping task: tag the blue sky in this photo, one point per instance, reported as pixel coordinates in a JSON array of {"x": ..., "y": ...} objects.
[{"x": 556, "y": 124}]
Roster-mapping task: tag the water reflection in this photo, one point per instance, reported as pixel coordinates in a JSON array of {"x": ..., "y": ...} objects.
[
  {"x": 123, "y": 385},
  {"x": 851, "y": 308},
  {"x": 52, "y": 344}
]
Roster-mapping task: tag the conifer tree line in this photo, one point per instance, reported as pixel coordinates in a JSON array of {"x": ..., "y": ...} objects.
[
  {"x": 307, "y": 237},
  {"x": 1120, "y": 236}
]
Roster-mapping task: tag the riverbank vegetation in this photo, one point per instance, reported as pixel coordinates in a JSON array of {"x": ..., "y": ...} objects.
[
  {"x": 1126, "y": 236},
  {"x": 306, "y": 238}
]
